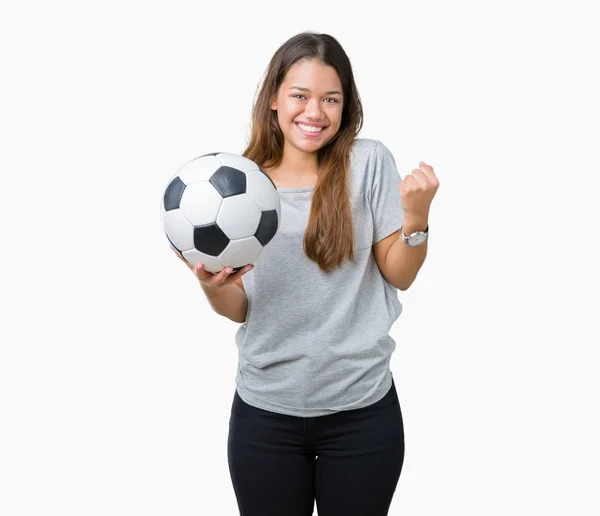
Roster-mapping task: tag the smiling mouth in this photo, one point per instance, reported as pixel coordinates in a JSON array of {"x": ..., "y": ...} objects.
[{"x": 307, "y": 129}]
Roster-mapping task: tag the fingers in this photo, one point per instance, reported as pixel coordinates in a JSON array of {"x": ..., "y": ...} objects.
[
  {"x": 224, "y": 276},
  {"x": 202, "y": 274},
  {"x": 241, "y": 272}
]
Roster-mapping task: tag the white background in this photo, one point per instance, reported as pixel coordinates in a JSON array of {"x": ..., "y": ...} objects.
[{"x": 116, "y": 378}]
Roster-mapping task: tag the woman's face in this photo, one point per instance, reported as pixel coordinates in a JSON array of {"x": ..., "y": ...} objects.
[{"x": 309, "y": 105}]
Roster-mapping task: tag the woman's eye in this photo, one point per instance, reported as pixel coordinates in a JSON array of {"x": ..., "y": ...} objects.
[{"x": 332, "y": 99}]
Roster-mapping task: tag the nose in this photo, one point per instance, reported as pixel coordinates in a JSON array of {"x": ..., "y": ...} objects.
[{"x": 313, "y": 110}]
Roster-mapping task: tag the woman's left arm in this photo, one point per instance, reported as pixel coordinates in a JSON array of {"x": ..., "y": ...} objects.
[{"x": 398, "y": 262}]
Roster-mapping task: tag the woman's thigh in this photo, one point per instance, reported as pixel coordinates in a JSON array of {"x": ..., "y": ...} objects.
[
  {"x": 360, "y": 457},
  {"x": 270, "y": 462}
]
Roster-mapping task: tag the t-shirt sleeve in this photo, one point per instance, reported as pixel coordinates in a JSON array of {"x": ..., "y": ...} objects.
[{"x": 386, "y": 207}]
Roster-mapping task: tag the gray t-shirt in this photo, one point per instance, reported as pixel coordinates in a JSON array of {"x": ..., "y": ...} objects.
[{"x": 316, "y": 343}]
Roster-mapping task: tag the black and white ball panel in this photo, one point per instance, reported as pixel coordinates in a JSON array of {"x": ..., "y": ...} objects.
[{"x": 220, "y": 209}]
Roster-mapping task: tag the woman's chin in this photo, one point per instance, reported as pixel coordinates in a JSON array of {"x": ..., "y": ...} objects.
[{"x": 310, "y": 144}]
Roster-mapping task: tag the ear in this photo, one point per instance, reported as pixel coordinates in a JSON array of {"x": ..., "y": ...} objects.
[{"x": 273, "y": 103}]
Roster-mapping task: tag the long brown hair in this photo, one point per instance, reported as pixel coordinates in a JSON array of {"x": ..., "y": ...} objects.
[{"x": 329, "y": 235}]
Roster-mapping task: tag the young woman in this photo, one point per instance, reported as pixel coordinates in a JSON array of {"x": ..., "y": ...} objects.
[{"x": 315, "y": 415}]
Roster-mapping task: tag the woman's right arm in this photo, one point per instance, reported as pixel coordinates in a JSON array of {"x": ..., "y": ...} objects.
[
  {"x": 228, "y": 300},
  {"x": 224, "y": 290}
]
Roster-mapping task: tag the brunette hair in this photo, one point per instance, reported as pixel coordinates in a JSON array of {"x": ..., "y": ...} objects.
[{"x": 329, "y": 236}]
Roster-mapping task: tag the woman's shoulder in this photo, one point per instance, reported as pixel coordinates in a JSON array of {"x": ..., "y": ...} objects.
[
  {"x": 362, "y": 160},
  {"x": 363, "y": 146},
  {"x": 367, "y": 151},
  {"x": 369, "y": 157}
]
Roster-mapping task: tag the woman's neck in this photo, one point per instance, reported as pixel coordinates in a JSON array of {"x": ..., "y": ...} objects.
[{"x": 299, "y": 163}]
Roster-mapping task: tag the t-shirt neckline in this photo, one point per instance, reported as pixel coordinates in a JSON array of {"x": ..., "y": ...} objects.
[{"x": 296, "y": 190}]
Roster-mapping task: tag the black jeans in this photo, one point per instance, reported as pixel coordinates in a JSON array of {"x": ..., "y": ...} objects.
[{"x": 349, "y": 462}]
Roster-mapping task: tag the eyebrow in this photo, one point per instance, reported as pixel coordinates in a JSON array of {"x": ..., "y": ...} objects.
[{"x": 334, "y": 92}]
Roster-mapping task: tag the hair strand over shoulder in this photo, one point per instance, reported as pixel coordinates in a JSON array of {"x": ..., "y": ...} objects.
[{"x": 329, "y": 237}]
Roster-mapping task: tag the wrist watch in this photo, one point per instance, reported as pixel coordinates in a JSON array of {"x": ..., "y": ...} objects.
[{"x": 415, "y": 239}]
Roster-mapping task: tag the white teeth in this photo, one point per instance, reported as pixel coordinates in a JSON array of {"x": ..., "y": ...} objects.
[{"x": 310, "y": 129}]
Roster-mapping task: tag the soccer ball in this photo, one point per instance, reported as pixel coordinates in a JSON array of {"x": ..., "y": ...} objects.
[{"x": 220, "y": 209}]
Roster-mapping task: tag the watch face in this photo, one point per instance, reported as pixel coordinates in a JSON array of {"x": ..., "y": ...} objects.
[{"x": 417, "y": 240}]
